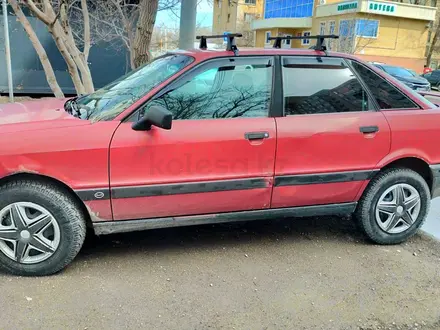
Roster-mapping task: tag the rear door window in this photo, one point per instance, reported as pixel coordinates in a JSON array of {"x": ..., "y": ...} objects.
[
  {"x": 386, "y": 95},
  {"x": 314, "y": 85}
]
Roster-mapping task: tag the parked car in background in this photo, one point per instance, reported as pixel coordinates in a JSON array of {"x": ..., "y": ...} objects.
[
  {"x": 408, "y": 77},
  {"x": 433, "y": 78}
]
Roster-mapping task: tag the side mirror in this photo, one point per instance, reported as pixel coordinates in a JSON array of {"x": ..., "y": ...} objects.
[{"x": 155, "y": 116}]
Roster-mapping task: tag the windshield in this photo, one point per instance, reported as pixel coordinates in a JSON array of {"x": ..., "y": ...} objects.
[
  {"x": 109, "y": 101},
  {"x": 396, "y": 71}
]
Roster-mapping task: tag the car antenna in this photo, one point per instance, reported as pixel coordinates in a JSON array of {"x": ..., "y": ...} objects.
[
  {"x": 230, "y": 41},
  {"x": 320, "y": 41}
]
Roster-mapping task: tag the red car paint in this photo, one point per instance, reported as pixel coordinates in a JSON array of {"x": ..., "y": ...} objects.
[{"x": 41, "y": 139}]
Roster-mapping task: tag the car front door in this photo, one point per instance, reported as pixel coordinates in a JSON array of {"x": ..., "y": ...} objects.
[
  {"x": 219, "y": 154},
  {"x": 433, "y": 77},
  {"x": 330, "y": 138}
]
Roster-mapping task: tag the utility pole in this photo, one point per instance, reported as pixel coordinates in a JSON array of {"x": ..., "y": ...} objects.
[
  {"x": 7, "y": 50},
  {"x": 188, "y": 13}
]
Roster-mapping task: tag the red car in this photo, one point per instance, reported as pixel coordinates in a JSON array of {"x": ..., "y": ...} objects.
[{"x": 203, "y": 137}]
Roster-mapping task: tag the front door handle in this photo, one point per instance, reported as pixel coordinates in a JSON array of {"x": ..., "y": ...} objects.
[
  {"x": 368, "y": 129},
  {"x": 256, "y": 135}
]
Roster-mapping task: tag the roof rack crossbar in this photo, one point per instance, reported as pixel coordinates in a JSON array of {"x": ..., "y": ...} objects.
[
  {"x": 320, "y": 43},
  {"x": 230, "y": 46}
]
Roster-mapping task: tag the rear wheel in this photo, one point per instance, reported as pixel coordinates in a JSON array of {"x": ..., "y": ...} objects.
[
  {"x": 41, "y": 228},
  {"x": 394, "y": 206}
]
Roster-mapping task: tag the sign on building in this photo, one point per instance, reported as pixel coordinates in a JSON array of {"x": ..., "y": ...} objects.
[
  {"x": 348, "y": 6},
  {"x": 380, "y": 7}
]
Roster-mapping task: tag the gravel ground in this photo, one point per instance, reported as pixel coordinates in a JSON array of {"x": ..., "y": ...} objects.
[{"x": 314, "y": 273}]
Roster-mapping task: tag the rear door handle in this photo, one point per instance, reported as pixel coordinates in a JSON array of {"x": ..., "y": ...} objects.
[
  {"x": 256, "y": 135},
  {"x": 368, "y": 129}
]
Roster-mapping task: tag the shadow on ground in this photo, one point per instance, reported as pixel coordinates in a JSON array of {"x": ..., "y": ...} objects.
[{"x": 221, "y": 235}]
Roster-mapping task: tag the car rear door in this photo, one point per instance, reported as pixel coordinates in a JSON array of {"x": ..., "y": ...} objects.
[
  {"x": 330, "y": 138},
  {"x": 219, "y": 155}
]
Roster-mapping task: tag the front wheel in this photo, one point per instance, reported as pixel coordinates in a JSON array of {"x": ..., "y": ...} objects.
[
  {"x": 41, "y": 228},
  {"x": 394, "y": 206}
]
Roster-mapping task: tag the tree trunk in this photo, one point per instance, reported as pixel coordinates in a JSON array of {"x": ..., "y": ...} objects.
[
  {"x": 71, "y": 66},
  {"x": 41, "y": 52},
  {"x": 432, "y": 46},
  {"x": 144, "y": 31}
]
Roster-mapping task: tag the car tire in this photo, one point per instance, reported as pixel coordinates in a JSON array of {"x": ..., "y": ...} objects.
[
  {"x": 42, "y": 228},
  {"x": 384, "y": 215},
  {"x": 438, "y": 86}
]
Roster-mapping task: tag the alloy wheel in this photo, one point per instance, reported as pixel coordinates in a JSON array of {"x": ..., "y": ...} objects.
[
  {"x": 29, "y": 233},
  {"x": 398, "y": 208}
]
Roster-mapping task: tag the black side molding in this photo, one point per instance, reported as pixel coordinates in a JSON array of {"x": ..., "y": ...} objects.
[
  {"x": 112, "y": 227},
  {"x": 303, "y": 179}
]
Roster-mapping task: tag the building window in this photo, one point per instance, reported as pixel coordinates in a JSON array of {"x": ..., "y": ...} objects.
[
  {"x": 332, "y": 27},
  {"x": 288, "y": 8},
  {"x": 331, "y": 30},
  {"x": 287, "y": 43},
  {"x": 249, "y": 17},
  {"x": 229, "y": 18},
  {"x": 219, "y": 3},
  {"x": 306, "y": 42},
  {"x": 347, "y": 27},
  {"x": 322, "y": 28},
  {"x": 367, "y": 28},
  {"x": 250, "y": 2},
  {"x": 268, "y": 35}
]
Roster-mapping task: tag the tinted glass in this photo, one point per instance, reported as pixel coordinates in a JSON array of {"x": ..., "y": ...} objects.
[
  {"x": 239, "y": 88},
  {"x": 321, "y": 85},
  {"x": 386, "y": 95}
]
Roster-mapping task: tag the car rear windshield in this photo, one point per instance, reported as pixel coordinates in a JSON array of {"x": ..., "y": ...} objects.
[
  {"x": 111, "y": 100},
  {"x": 396, "y": 71}
]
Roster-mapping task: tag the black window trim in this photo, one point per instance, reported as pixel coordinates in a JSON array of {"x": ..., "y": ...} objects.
[
  {"x": 197, "y": 68},
  {"x": 416, "y": 105},
  {"x": 371, "y": 99}
]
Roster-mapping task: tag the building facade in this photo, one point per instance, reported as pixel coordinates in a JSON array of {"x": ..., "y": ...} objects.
[
  {"x": 383, "y": 31},
  {"x": 236, "y": 16}
]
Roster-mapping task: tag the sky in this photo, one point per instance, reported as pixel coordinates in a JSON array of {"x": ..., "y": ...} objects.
[{"x": 169, "y": 18}]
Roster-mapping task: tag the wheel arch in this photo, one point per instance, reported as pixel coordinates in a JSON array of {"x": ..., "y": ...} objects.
[
  {"x": 56, "y": 182},
  {"x": 416, "y": 164}
]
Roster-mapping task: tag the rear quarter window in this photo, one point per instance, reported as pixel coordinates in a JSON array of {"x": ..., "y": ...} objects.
[{"x": 386, "y": 95}]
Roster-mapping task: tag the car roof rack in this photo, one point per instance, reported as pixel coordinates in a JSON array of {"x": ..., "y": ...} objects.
[
  {"x": 320, "y": 41},
  {"x": 230, "y": 46}
]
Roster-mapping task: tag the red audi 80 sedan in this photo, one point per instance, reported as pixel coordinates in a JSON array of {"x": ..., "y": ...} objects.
[{"x": 210, "y": 136}]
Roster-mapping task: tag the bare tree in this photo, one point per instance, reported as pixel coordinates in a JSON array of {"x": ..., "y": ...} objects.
[
  {"x": 41, "y": 52},
  {"x": 76, "y": 25},
  {"x": 350, "y": 37},
  {"x": 127, "y": 25},
  {"x": 56, "y": 16}
]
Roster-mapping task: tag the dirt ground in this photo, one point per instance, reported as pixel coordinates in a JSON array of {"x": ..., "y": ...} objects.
[{"x": 314, "y": 273}]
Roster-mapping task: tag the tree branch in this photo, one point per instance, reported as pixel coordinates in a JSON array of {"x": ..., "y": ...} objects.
[
  {"x": 36, "y": 11},
  {"x": 85, "y": 12}
]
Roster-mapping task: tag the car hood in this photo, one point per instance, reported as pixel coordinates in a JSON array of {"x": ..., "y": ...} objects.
[
  {"x": 38, "y": 114},
  {"x": 416, "y": 80}
]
